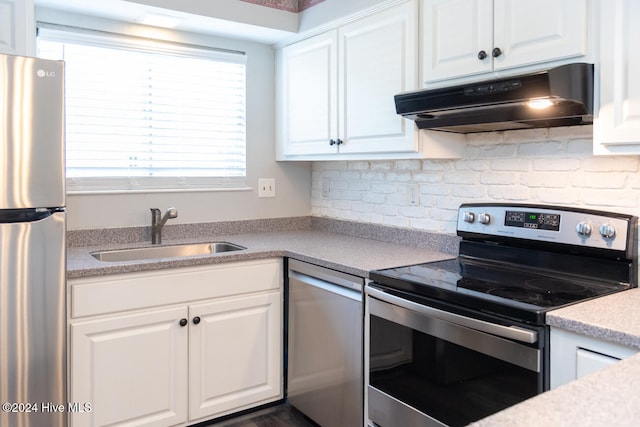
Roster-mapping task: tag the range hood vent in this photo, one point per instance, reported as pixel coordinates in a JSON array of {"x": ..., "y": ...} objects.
[{"x": 561, "y": 96}]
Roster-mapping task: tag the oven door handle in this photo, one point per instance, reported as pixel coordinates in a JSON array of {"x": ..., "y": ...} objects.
[{"x": 511, "y": 332}]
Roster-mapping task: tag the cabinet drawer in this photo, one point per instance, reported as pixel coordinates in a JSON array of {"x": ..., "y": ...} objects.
[{"x": 132, "y": 291}]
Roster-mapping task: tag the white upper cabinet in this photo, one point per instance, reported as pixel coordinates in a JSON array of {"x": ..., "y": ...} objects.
[
  {"x": 336, "y": 89},
  {"x": 467, "y": 37},
  {"x": 617, "y": 124},
  {"x": 17, "y": 27},
  {"x": 455, "y": 33},
  {"x": 377, "y": 59},
  {"x": 309, "y": 92}
]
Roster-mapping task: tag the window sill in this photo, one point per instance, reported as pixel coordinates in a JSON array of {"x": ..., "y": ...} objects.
[{"x": 160, "y": 190}]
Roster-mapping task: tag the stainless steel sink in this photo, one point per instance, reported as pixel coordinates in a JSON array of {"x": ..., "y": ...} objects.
[{"x": 172, "y": 251}]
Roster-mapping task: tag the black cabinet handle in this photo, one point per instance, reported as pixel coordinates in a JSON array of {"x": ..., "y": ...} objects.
[
  {"x": 183, "y": 322},
  {"x": 332, "y": 142},
  {"x": 196, "y": 320},
  {"x": 496, "y": 52},
  {"x": 339, "y": 141},
  {"x": 482, "y": 55}
]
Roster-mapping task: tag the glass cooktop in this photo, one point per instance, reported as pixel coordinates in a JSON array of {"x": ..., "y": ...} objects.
[{"x": 515, "y": 292}]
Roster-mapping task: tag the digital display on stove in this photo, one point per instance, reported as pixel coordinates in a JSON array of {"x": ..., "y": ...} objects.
[{"x": 535, "y": 220}]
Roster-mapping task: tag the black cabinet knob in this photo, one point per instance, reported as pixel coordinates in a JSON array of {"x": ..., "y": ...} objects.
[
  {"x": 332, "y": 142},
  {"x": 338, "y": 141},
  {"x": 496, "y": 52},
  {"x": 183, "y": 322},
  {"x": 482, "y": 55},
  {"x": 196, "y": 320}
]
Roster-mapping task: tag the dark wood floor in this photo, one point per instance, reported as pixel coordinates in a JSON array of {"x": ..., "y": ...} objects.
[{"x": 282, "y": 415}]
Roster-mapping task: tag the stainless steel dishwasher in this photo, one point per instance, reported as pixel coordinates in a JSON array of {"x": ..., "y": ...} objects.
[{"x": 325, "y": 356}]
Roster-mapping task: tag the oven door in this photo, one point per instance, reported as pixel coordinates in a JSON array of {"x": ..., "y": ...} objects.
[{"x": 429, "y": 367}]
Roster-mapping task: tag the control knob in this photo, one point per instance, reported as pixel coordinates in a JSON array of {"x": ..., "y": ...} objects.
[
  {"x": 484, "y": 218},
  {"x": 583, "y": 229},
  {"x": 468, "y": 217},
  {"x": 607, "y": 231}
]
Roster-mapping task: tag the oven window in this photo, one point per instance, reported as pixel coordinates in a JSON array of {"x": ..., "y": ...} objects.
[{"x": 448, "y": 382}]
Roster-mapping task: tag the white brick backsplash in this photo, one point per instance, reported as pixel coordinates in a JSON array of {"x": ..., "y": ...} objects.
[
  {"x": 610, "y": 164},
  {"x": 461, "y": 178},
  {"x": 381, "y": 166},
  {"x": 399, "y": 176},
  {"x": 611, "y": 181},
  {"x": 509, "y": 193},
  {"x": 471, "y": 165},
  {"x": 412, "y": 165},
  {"x": 516, "y": 165},
  {"x": 550, "y": 148},
  {"x": 562, "y": 164},
  {"x": 612, "y": 199},
  {"x": 555, "y": 196},
  {"x": 547, "y": 180},
  {"x": 358, "y": 165},
  {"x": 468, "y": 191},
  {"x": 499, "y": 178},
  {"x": 436, "y": 165},
  {"x": 544, "y": 166}
]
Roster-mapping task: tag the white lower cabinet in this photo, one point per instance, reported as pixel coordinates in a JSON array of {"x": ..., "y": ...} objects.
[
  {"x": 131, "y": 368},
  {"x": 215, "y": 351},
  {"x": 233, "y": 354},
  {"x": 575, "y": 355}
]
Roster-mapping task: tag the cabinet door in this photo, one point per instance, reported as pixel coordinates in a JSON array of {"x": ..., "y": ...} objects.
[
  {"x": 378, "y": 59},
  {"x": 529, "y": 32},
  {"x": 235, "y": 358},
  {"x": 588, "y": 361},
  {"x": 617, "y": 125},
  {"x": 17, "y": 27},
  {"x": 130, "y": 369},
  {"x": 454, "y": 34},
  {"x": 308, "y": 110},
  {"x": 574, "y": 355}
]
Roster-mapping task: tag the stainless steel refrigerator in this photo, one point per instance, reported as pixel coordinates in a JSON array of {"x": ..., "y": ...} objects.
[{"x": 32, "y": 243}]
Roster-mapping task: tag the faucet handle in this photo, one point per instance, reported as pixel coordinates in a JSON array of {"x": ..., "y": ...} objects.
[{"x": 172, "y": 212}]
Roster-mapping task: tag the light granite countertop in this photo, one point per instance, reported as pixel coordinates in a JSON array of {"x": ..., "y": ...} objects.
[
  {"x": 604, "y": 398},
  {"x": 614, "y": 318},
  {"x": 325, "y": 245}
]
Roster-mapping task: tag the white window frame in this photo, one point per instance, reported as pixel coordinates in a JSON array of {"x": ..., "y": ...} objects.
[{"x": 127, "y": 184}]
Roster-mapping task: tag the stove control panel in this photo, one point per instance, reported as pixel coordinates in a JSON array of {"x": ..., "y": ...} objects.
[{"x": 569, "y": 226}]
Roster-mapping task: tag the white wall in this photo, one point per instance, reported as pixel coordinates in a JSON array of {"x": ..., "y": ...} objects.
[
  {"x": 546, "y": 166},
  {"x": 293, "y": 180}
]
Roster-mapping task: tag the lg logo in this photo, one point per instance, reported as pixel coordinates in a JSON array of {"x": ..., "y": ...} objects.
[{"x": 44, "y": 73}]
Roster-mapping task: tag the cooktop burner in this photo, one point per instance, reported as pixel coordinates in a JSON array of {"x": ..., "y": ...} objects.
[{"x": 507, "y": 290}]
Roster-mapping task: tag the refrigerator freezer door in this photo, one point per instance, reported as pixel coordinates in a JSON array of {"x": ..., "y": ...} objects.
[
  {"x": 31, "y": 133},
  {"x": 32, "y": 322}
]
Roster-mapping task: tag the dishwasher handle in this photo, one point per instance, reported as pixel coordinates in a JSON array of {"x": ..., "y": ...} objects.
[
  {"x": 332, "y": 276},
  {"x": 334, "y": 288}
]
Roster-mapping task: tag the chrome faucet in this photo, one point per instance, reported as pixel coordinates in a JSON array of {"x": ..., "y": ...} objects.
[{"x": 157, "y": 222}]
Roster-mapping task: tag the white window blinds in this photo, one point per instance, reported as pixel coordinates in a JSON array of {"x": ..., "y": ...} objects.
[{"x": 143, "y": 114}]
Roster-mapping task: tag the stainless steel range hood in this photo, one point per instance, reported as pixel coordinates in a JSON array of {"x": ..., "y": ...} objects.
[{"x": 561, "y": 96}]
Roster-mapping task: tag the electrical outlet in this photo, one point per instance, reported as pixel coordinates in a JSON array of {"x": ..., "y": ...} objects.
[
  {"x": 412, "y": 195},
  {"x": 266, "y": 187},
  {"x": 326, "y": 187}
]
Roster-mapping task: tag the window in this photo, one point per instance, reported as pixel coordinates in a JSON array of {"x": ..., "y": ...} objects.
[{"x": 144, "y": 114}]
